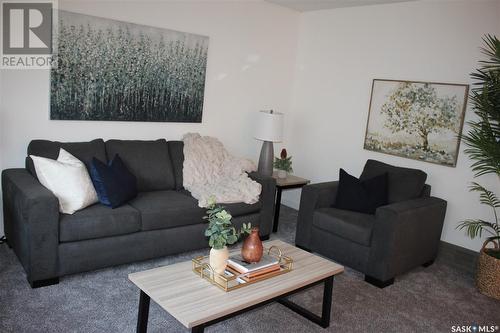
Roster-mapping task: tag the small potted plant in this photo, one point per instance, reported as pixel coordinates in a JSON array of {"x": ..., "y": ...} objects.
[
  {"x": 283, "y": 164},
  {"x": 222, "y": 233}
]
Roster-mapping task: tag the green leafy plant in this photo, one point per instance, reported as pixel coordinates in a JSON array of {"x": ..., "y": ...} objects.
[
  {"x": 220, "y": 228},
  {"x": 483, "y": 138},
  {"x": 283, "y": 162}
]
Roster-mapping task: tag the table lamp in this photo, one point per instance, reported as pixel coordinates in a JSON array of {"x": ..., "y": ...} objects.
[{"x": 269, "y": 130}]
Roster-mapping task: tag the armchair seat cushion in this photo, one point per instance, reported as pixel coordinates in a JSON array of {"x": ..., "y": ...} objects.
[
  {"x": 353, "y": 226},
  {"x": 167, "y": 209},
  {"x": 98, "y": 221}
]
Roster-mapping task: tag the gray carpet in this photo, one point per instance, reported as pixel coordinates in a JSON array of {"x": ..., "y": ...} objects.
[{"x": 424, "y": 300}]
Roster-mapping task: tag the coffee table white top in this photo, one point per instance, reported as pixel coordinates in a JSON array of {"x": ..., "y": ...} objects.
[{"x": 194, "y": 301}]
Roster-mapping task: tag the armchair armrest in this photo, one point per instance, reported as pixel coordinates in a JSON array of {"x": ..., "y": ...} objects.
[
  {"x": 313, "y": 196},
  {"x": 31, "y": 219},
  {"x": 267, "y": 199},
  {"x": 405, "y": 235}
]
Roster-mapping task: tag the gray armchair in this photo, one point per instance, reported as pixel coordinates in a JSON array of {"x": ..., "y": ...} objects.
[{"x": 399, "y": 237}]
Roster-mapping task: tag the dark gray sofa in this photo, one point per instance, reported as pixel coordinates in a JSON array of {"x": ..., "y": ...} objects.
[
  {"x": 400, "y": 236},
  {"x": 164, "y": 218}
]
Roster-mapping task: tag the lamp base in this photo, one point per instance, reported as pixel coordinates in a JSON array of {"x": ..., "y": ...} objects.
[{"x": 266, "y": 159}]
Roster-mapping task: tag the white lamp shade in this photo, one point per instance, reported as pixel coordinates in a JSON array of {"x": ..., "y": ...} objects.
[{"x": 269, "y": 126}]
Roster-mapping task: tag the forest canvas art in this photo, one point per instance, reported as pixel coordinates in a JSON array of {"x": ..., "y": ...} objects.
[
  {"x": 113, "y": 70},
  {"x": 417, "y": 120}
]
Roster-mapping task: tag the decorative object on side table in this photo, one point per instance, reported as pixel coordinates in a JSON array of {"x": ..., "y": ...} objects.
[
  {"x": 290, "y": 182},
  {"x": 221, "y": 232},
  {"x": 483, "y": 147},
  {"x": 283, "y": 164},
  {"x": 252, "y": 249},
  {"x": 269, "y": 130},
  {"x": 417, "y": 120}
]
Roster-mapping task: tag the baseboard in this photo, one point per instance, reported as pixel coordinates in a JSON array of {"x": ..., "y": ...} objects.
[{"x": 458, "y": 257}]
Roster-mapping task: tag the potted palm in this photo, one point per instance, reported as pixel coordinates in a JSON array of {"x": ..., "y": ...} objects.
[
  {"x": 221, "y": 233},
  {"x": 483, "y": 147},
  {"x": 283, "y": 164}
]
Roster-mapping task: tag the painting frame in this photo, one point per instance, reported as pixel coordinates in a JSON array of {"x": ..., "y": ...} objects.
[
  {"x": 460, "y": 114},
  {"x": 136, "y": 72}
]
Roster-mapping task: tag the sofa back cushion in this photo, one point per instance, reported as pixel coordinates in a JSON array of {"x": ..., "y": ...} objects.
[
  {"x": 149, "y": 161},
  {"x": 84, "y": 151},
  {"x": 176, "y": 149},
  {"x": 403, "y": 183}
]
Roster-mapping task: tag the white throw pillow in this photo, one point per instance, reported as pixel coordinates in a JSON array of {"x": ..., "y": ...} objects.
[{"x": 68, "y": 179}]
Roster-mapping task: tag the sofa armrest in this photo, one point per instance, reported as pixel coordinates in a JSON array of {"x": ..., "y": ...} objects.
[
  {"x": 405, "y": 235},
  {"x": 31, "y": 220},
  {"x": 313, "y": 196},
  {"x": 268, "y": 184}
]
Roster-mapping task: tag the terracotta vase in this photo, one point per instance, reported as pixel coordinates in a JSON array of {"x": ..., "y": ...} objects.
[
  {"x": 218, "y": 259},
  {"x": 252, "y": 249}
]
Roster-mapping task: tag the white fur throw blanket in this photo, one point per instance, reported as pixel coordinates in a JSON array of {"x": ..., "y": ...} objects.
[{"x": 209, "y": 170}]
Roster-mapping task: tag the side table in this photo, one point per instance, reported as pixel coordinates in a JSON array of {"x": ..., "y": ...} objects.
[{"x": 290, "y": 182}]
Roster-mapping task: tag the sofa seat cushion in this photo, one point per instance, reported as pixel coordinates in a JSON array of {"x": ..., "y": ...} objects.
[
  {"x": 167, "y": 209},
  {"x": 98, "y": 221},
  {"x": 241, "y": 208},
  {"x": 354, "y": 226},
  {"x": 149, "y": 161}
]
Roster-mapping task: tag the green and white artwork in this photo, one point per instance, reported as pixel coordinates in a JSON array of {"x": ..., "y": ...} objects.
[
  {"x": 417, "y": 120},
  {"x": 113, "y": 70}
]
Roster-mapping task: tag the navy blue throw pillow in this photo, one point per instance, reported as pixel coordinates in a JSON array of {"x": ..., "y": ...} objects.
[
  {"x": 114, "y": 183},
  {"x": 361, "y": 196}
]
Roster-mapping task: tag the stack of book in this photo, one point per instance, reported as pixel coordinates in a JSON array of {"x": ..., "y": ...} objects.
[{"x": 267, "y": 265}]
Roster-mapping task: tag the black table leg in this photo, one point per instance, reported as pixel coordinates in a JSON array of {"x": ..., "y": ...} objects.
[
  {"x": 198, "y": 329},
  {"x": 327, "y": 302},
  {"x": 142, "y": 318},
  {"x": 277, "y": 206},
  {"x": 324, "y": 320}
]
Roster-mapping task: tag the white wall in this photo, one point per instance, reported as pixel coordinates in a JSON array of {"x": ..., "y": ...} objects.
[
  {"x": 339, "y": 53},
  {"x": 250, "y": 67}
]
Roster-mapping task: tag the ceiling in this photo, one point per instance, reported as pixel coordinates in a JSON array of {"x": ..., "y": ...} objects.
[{"x": 309, "y": 5}]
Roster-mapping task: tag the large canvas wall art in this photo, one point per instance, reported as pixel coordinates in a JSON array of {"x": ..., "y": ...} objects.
[
  {"x": 417, "y": 120},
  {"x": 113, "y": 70}
]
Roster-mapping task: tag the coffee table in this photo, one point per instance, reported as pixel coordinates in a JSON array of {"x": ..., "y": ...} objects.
[{"x": 196, "y": 303}]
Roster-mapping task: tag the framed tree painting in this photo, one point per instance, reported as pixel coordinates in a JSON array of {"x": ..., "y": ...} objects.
[
  {"x": 417, "y": 120},
  {"x": 120, "y": 71}
]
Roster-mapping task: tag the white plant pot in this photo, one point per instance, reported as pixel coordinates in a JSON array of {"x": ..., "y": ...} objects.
[
  {"x": 282, "y": 174},
  {"x": 218, "y": 259}
]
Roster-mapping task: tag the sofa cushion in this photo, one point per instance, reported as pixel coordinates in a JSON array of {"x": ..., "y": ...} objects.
[
  {"x": 176, "y": 150},
  {"x": 149, "y": 161},
  {"x": 404, "y": 183},
  {"x": 241, "y": 208},
  {"x": 98, "y": 221},
  {"x": 354, "y": 226},
  {"x": 238, "y": 208},
  {"x": 68, "y": 179},
  {"x": 114, "y": 183},
  {"x": 84, "y": 151},
  {"x": 167, "y": 209}
]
